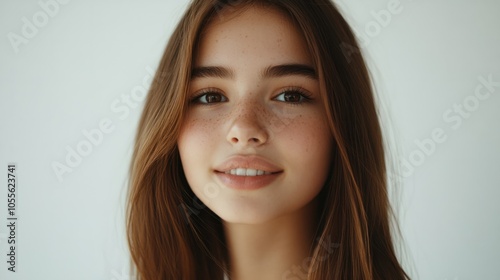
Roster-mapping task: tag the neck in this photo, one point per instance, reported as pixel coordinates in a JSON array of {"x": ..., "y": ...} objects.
[{"x": 273, "y": 249}]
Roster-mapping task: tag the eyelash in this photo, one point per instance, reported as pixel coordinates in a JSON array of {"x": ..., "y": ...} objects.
[
  {"x": 204, "y": 92},
  {"x": 304, "y": 95}
]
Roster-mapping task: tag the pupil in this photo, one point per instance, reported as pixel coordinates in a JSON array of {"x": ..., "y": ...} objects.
[
  {"x": 212, "y": 98},
  {"x": 291, "y": 97}
]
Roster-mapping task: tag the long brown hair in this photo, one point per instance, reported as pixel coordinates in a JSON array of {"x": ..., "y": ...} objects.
[{"x": 172, "y": 235}]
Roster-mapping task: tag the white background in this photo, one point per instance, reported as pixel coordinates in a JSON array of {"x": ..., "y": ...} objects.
[{"x": 78, "y": 68}]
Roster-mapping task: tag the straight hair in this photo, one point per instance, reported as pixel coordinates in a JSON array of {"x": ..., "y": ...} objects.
[{"x": 172, "y": 235}]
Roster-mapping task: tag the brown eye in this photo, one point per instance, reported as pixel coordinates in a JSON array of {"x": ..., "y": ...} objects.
[
  {"x": 293, "y": 96},
  {"x": 210, "y": 97}
]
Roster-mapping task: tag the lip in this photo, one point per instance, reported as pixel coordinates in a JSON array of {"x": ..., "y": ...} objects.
[
  {"x": 247, "y": 182},
  {"x": 248, "y": 162}
]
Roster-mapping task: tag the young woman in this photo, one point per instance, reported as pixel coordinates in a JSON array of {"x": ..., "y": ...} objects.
[{"x": 259, "y": 154}]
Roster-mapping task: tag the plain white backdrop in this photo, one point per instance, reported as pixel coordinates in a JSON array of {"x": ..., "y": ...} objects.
[{"x": 72, "y": 82}]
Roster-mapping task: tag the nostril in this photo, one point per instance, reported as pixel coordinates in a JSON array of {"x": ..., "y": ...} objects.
[
  {"x": 246, "y": 136},
  {"x": 250, "y": 140}
]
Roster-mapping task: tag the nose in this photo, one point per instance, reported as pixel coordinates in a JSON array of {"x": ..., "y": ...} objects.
[{"x": 246, "y": 128}]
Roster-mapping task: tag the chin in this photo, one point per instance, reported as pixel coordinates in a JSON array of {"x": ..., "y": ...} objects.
[{"x": 245, "y": 213}]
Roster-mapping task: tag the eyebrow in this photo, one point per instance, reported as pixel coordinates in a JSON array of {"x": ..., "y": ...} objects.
[
  {"x": 212, "y": 71},
  {"x": 270, "y": 72}
]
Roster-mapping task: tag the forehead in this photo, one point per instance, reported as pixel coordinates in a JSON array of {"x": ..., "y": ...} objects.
[{"x": 254, "y": 33}]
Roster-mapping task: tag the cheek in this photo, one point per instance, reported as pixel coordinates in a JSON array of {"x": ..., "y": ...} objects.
[
  {"x": 308, "y": 145},
  {"x": 309, "y": 135},
  {"x": 194, "y": 138},
  {"x": 198, "y": 139},
  {"x": 198, "y": 133}
]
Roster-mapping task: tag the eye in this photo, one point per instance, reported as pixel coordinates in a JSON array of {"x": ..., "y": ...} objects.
[
  {"x": 293, "y": 95},
  {"x": 209, "y": 96}
]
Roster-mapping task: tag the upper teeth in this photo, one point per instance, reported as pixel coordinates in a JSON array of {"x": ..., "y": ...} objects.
[{"x": 247, "y": 172}]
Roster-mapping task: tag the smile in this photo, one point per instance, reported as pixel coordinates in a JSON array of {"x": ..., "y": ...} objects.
[
  {"x": 247, "y": 182},
  {"x": 247, "y": 172}
]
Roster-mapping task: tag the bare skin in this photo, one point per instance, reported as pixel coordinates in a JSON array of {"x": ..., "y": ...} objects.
[{"x": 269, "y": 229}]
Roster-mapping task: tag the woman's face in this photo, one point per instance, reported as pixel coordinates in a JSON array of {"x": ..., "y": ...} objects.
[{"x": 255, "y": 108}]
